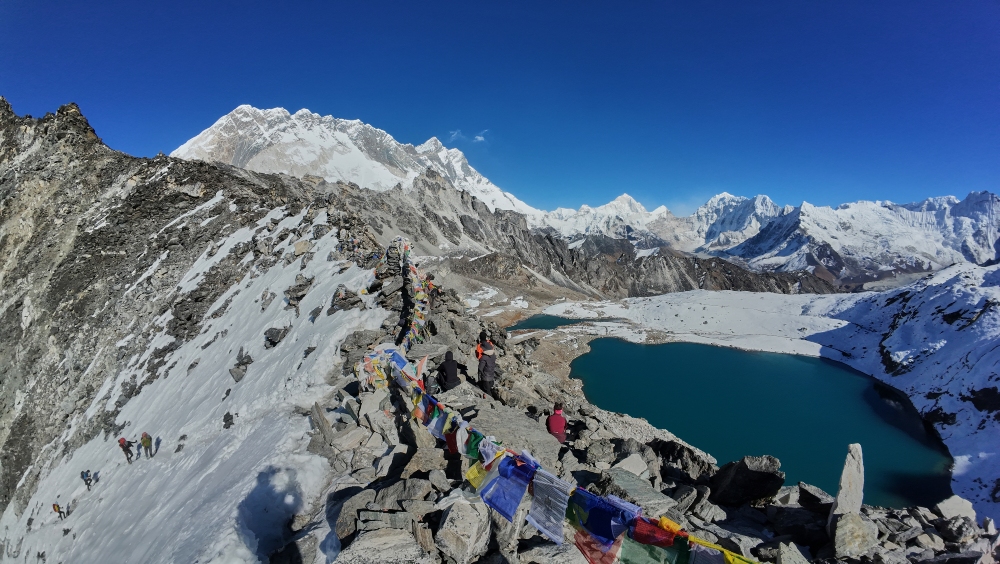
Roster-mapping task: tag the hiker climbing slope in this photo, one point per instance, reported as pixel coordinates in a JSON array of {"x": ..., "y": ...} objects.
[
  {"x": 58, "y": 509},
  {"x": 147, "y": 444},
  {"x": 87, "y": 478},
  {"x": 126, "y": 447}
]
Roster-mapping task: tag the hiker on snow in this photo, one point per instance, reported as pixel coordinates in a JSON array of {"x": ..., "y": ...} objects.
[
  {"x": 448, "y": 372},
  {"x": 59, "y": 510},
  {"x": 147, "y": 444},
  {"x": 87, "y": 478},
  {"x": 126, "y": 447},
  {"x": 556, "y": 423},
  {"x": 486, "y": 353}
]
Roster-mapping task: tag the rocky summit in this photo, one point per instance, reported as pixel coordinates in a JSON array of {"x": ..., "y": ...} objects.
[{"x": 223, "y": 311}]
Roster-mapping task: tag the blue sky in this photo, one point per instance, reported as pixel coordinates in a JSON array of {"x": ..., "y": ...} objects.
[{"x": 576, "y": 102}]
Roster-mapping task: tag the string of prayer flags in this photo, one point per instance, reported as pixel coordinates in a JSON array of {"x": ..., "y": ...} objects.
[
  {"x": 550, "y": 496},
  {"x": 476, "y": 474},
  {"x": 488, "y": 448},
  {"x": 505, "y": 492},
  {"x": 594, "y": 551},
  {"x": 645, "y": 531}
]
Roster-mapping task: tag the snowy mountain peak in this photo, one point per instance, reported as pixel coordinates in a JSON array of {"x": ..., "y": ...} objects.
[{"x": 306, "y": 143}]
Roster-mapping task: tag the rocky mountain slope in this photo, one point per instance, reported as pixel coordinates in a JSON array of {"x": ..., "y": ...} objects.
[{"x": 850, "y": 245}]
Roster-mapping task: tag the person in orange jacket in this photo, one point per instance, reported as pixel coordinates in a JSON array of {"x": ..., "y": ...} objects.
[
  {"x": 126, "y": 447},
  {"x": 486, "y": 353}
]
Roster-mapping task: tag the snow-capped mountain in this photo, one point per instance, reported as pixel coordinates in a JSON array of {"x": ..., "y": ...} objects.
[
  {"x": 305, "y": 143},
  {"x": 866, "y": 240},
  {"x": 610, "y": 219},
  {"x": 852, "y": 244}
]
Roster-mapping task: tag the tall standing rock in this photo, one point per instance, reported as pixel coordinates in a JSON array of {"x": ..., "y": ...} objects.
[
  {"x": 852, "y": 533},
  {"x": 852, "y": 485}
]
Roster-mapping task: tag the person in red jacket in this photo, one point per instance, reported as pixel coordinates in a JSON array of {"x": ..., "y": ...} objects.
[{"x": 556, "y": 423}]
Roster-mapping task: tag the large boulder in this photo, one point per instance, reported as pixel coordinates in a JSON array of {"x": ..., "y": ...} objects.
[
  {"x": 748, "y": 479},
  {"x": 347, "y": 517},
  {"x": 958, "y": 529},
  {"x": 518, "y": 432},
  {"x": 464, "y": 534},
  {"x": 852, "y": 485},
  {"x": 814, "y": 499},
  {"x": 955, "y": 506},
  {"x": 853, "y": 535},
  {"x": 790, "y": 554},
  {"x": 631, "y": 488},
  {"x": 385, "y": 546},
  {"x": 679, "y": 461}
]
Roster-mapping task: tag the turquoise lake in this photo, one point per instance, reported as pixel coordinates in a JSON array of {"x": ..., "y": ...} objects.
[{"x": 805, "y": 411}]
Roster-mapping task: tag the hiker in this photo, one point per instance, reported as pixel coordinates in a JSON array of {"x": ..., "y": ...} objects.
[
  {"x": 448, "y": 372},
  {"x": 126, "y": 447},
  {"x": 556, "y": 423},
  {"x": 87, "y": 478},
  {"x": 147, "y": 444},
  {"x": 433, "y": 291},
  {"x": 59, "y": 510},
  {"x": 486, "y": 353}
]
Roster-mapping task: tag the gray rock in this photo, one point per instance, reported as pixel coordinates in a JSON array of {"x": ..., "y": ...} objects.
[
  {"x": 390, "y": 496},
  {"x": 346, "y": 524},
  {"x": 958, "y": 529},
  {"x": 385, "y": 546},
  {"x": 464, "y": 534},
  {"x": 706, "y": 510},
  {"x": 853, "y": 535},
  {"x": 425, "y": 460},
  {"x": 634, "y": 489},
  {"x": 416, "y": 488},
  {"x": 790, "y": 554},
  {"x": 814, "y": 499},
  {"x": 635, "y": 464},
  {"x": 600, "y": 451},
  {"x": 929, "y": 541},
  {"x": 955, "y": 506},
  {"x": 518, "y": 432},
  {"x": 685, "y": 496},
  {"x": 370, "y": 402},
  {"x": 682, "y": 462},
  {"x": 439, "y": 480},
  {"x": 322, "y": 423},
  {"x": 350, "y": 438},
  {"x": 852, "y": 484},
  {"x": 787, "y": 495},
  {"x": 417, "y": 508},
  {"x": 749, "y": 479},
  {"x": 890, "y": 557}
]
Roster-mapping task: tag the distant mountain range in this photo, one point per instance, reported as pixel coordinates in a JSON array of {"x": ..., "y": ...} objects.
[{"x": 852, "y": 244}]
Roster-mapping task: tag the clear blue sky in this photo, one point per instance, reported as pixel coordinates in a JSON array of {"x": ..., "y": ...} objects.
[{"x": 671, "y": 102}]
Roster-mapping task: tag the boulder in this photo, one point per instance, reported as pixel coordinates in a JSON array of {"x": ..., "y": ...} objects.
[
  {"x": 685, "y": 496},
  {"x": 601, "y": 451},
  {"x": 814, "y": 499},
  {"x": 347, "y": 517},
  {"x": 322, "y": 423},
  {"x": 425, "y": 460},
  {"x": 958, "y": 529},
  {"x": 439, "y": 480},
  {"x": 852, "y": 485},
  {"x": 748, "y": 479},
  {"x": 635, "y": 464},
  {"x": 634, "y": 489},
  {"x": 518, "y": 432},
  {"x": 790, "y": 554},
  {"x": 955, "y": 506},
  {"x": 853, "y": 535},
  {"x": 385, "y": 546},
  {"x": 350, "y": 438},
  {"x": 464, "y": 534},
  {"x": 371, "y": 402},
  {"x": 681, "y": 462},
  {"x": 929, "y": 541}
]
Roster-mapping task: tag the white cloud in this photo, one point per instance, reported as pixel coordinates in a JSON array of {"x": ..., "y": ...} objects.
[
  {"x": 455, "y": 135},
  {"x": 480, "y": 137}
]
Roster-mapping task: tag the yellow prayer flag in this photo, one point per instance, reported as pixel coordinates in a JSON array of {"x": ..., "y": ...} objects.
[{"x": 476, "y": 474}]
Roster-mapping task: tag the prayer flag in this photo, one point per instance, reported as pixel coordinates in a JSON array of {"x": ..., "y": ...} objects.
[{"x": 550, "y": 495}]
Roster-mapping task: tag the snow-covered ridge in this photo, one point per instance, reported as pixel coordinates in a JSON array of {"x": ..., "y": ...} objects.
[
  {"x": 856, "y": 242},
  {"x": 305, "y": 143},
  {"x": 936, "y": 340}
]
